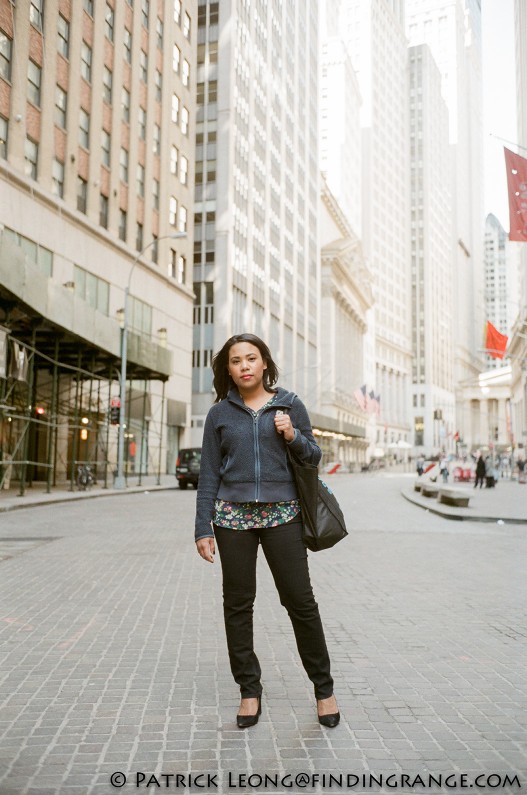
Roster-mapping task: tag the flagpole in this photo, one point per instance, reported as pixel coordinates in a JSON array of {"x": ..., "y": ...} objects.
[{"x": 505, "y": 141}]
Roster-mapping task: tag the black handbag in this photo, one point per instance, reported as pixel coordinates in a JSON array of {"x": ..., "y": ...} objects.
[{"x": 322, "y": 516}]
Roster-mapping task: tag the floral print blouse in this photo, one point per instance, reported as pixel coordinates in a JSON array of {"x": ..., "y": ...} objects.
[{"x": 253, "y": 515}]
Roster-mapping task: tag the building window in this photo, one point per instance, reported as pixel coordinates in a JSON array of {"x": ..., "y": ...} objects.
[
  {"x": 177, "y": 11},
  {"x": 63, "y": 30},
  {"x": 172, "y": 211},
  {"x": 125, "y": 104},
  {"x": 159, "y": 33},
  {"x": 156, "y": 145},
  {"x": 183, "y": 170},
  {"x": 179, "y": 268},
  {"x": 174, "y": 154},
  {"x": 185, "y": 73},
  {"x": 175, "y": 108},
  {"x": 176, "y": 58},
  {"x": 182, "y": 227},
  {"x": 127, "y": 46},
  {"x": 159, "y": 84},
  {"x": 145, "y": 12},
  {"x": 139, "y": 237},
  {"x": 57, "y": 178},
  {"x": 82, "y": 194},
  {"x": 142, "y": 123},
  {"x": 40, "y": 256},
  {"x": 184, "y": 121},
  {"x": 36, "y": 13},
  {"x": 34, "y": 78},
  {"x": 103, "y": 211},
  {"x": 143, "y": 65},
  {"x": 122, "y": 224},
  {"x": 31, "y": 158},
  {"x": 109, "y": 22},
  {"x": 123, "y": 165},
  {"x": 140, "y": 180},
  {"x": 140, "y": 316},
  {"x": 86, "y": 56},
  {"x": 155, "y": 251},
  {"x": 95, "y": 291},
  {"x": 88, "y": 7},
  {"x": 214, "y": 13},
  {"x": 61, "y": 104},
  {"x": 155, "y": 193},
  {"x": 84, "y": 128},
  {"x": 3, "y": 137},
  {"x": 6, "y": 50},
  {"x": 107, "y": 79},
  {"x": 106, "y": 143},
  {"x": 186, "y": 26}
]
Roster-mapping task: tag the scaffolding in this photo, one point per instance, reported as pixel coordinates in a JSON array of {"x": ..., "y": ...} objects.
[{"x": 56, "y": 398}]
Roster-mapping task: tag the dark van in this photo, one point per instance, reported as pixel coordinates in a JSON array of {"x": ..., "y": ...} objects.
[{"x": 187, "y": 466}]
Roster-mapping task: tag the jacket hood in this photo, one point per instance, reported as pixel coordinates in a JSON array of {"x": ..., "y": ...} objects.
[{"x": 283, "y": 397}]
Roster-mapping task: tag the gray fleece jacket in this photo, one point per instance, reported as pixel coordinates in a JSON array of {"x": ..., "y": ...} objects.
[{"x": 244, "y": 459}]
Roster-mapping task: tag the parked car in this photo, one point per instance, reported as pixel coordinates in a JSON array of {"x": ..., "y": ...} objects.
[{"x": 188, "y": 466}]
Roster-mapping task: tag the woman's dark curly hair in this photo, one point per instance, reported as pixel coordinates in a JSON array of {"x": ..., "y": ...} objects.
[{"x": 222, "y": 380}]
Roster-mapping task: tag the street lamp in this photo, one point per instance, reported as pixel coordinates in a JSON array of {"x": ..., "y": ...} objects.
[{"x": 120, "y": 482}]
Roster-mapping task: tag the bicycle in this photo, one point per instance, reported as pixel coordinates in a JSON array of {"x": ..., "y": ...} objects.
[{"x": 85, "y": 478}]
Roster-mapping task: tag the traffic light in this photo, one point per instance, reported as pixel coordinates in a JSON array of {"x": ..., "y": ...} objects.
[{"x": 115, "y": 408}]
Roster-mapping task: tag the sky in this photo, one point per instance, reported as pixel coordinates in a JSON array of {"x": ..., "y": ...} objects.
[{"x": 499, "y": 101}]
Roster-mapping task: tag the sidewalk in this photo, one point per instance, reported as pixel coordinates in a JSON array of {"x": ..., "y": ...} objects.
[
  {"x": 10, "y": 499},
  {"x": 507, "y": 502}
]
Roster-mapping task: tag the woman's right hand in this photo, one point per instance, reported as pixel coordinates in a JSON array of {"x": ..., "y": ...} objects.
[{"x": 206, "y": 548}]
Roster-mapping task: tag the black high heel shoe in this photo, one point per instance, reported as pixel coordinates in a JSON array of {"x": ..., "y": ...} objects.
[
  {"x": 246, "y": 721},
  {"x": 329, "y": 721}
]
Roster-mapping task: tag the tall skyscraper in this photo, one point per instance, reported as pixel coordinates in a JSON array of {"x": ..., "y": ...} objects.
[
  {"x": 97, "y": 130},
  {"x": 501, "y": 281},
  {"x": 340, "y": 106},
  {"x": 377, "y": 41},
  {"x": 256, "y": 263},
  {"x": 433, "y": 396},
  {"x": 452, "y": 30},
  {"x": 346, "y": 283}
]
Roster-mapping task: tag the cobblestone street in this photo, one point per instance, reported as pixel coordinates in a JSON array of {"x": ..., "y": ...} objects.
[{"x": 113, "y": 656}]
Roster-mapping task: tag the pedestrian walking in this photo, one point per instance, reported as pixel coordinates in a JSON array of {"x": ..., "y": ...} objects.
[
  {"x": 443, "y": 469},
  {"x": 481, "y": 470},
  {"x": 247, "y": 498},
  {"x": 420, "y": 465},
  {"x": 521, "y": 470}
]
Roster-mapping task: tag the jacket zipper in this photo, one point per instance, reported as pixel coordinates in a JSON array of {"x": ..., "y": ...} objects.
[{"x": 256, "y": 458}]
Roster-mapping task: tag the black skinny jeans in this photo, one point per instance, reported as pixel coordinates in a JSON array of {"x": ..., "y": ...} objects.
[{"x": 287, "y": 558}]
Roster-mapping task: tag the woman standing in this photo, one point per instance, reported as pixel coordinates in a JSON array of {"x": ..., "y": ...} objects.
[{"x": 247, "y": 493}]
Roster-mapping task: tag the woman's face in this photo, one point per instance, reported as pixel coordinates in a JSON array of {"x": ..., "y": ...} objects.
[{"x": 246, "y": 366}]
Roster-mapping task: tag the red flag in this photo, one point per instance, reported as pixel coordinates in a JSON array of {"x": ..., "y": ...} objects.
[
  {"x": 495, "y": 343},
  {"x": 517, "y": 186}
]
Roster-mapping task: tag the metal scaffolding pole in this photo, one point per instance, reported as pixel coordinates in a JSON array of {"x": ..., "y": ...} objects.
[
  {"x": 158, "y": 482},
  {"x": 53, "y": 417}
]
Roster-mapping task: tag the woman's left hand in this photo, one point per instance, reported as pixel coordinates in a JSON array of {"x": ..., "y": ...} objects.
[{"x": 283, "y": 424}]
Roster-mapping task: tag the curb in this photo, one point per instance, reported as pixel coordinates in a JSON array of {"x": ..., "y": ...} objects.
[
  {"x": 459, "y": 517},
  {"x": 39, "y": 503}
]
